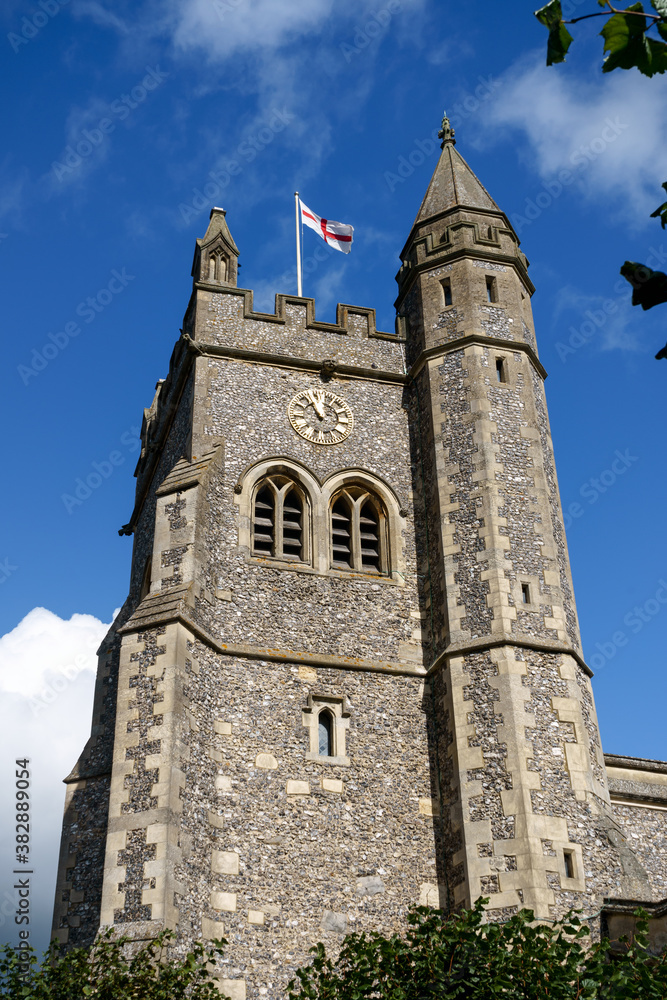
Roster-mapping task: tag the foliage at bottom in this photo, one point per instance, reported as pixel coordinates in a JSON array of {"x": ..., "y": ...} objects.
[
  {"x": 464, "y": 957},
  {"x": 109, "y": 971}
]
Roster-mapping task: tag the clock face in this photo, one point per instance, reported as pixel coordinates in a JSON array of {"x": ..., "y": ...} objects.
[{"x": 320, "y": 416}]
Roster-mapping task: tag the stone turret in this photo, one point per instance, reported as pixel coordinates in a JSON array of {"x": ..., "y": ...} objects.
[
  {"x": 216, "y": 255},
  {"x": 525, "y": 800}
]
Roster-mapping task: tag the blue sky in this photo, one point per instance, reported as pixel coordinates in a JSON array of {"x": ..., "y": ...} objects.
[{"x": 127, "y": 122}]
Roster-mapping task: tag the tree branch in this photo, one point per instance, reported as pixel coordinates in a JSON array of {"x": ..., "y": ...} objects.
[{"x": 613, "y": 10}]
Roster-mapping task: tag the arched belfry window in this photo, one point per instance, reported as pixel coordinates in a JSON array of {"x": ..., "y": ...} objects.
[
  {"x": 341, "y": 532},
  {"x": 279, "y": 520},
  {"x": 217, "y": 266},
  {"x": 325, "y": 733},
  {"x": 358, "y": 532},
  {"x": 369, "y": 536}
]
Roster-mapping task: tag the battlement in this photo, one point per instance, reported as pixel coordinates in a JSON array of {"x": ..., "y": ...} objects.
[{"x": 295, "y": 311}]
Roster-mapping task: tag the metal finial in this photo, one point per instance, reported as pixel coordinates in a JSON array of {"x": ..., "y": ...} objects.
[{"x": 446, "y": 132}]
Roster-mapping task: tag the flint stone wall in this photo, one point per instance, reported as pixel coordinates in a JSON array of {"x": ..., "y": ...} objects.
[
  {"x": 294, "y": 607},
  {"x": 639, "y": 801},
  {"x": 646, "y": 833},
  {"x": 280, "y": 851}
]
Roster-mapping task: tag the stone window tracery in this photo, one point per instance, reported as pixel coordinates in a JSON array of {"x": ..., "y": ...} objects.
[
  {"x": 349, "y": 524},
  {"x": 278, "y": 524},
  {"x": 217, "y": 266},
  {"x": 358, "y": 531}
]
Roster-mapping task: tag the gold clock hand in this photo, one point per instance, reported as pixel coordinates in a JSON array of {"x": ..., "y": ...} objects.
[{"x": 317, "y": 403}]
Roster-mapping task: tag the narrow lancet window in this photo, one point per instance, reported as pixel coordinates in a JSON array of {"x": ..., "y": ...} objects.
[
  {"x": 447, "y": 290},
  {"x": 341, "y": 533},
  {"x": 501, "y": 374},
  {"x": 146, "y": 580},
  {"x": 292, "y": 525},
  {"x": 263, "y": 527},
  {"x": 369, "y": 536},
  {"x": 491, "y": 289},
  {"x": 325, "y": 733}
]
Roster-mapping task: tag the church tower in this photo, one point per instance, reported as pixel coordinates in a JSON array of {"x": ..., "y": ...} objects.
[{"x": 348, "y": 677}]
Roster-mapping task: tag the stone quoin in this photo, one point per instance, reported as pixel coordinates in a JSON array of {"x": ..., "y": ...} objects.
[{"x": 348, "y": 676}]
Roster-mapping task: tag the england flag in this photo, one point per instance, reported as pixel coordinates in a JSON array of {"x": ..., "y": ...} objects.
[{"x": 336, "y": 234}]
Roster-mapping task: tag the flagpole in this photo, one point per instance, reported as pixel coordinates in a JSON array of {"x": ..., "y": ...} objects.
[{"x": 299, "y": 287}]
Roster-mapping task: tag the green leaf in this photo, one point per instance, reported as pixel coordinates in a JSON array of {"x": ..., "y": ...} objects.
[
  {"x": 560, "y": 39},
  {"x": 628, "y": 47},
  {"x": 660, "y": 7},
  {"x": 649, "y": 288},
  {"x": 624, "y": 40},
  {"x": 551, "y": 14},
  {"x": 657, "y": 57}
]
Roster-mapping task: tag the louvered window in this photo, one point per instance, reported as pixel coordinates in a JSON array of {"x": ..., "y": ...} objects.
[
  {"x": 369, "y": 535},
  {"x": 341, "y": 532},
  {"x": 264, "y": 522},
  {"x": 292, "y": 512},
  {"x": 358, "y": 532},
  {"x": 278, "y": 529}
]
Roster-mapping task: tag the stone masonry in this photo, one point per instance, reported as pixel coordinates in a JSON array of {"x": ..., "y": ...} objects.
[{"x": 289, "y": 743}]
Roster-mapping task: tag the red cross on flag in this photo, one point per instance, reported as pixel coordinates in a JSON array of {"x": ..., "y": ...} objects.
[{"x": 336, "y": 234}]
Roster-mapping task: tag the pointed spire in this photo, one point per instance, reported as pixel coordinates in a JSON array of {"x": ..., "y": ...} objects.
[
  {"x": 218, "y": 227},
  {"x": 446, "y": 132},
  {"x": 457, "y": 217},
  {"x": 453, "y": 183}
]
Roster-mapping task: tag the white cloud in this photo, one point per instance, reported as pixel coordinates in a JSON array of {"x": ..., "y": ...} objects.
[
  {"x": 14, "y": 187},
  {"x": 85, "y": 148},
  {"x": 285, "y": 55},
  {"x": 44, "y": 647},
  {"x": 604, "y": 323},
  {"x": 265, "y": 290},
  {"x": 99, "y": 15},
  {"x": 47, "y": 671},
  {"x": 222, "y": 27},
  {"x": 608, "y": 131},
  {"x": 291, "y": 55}
]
